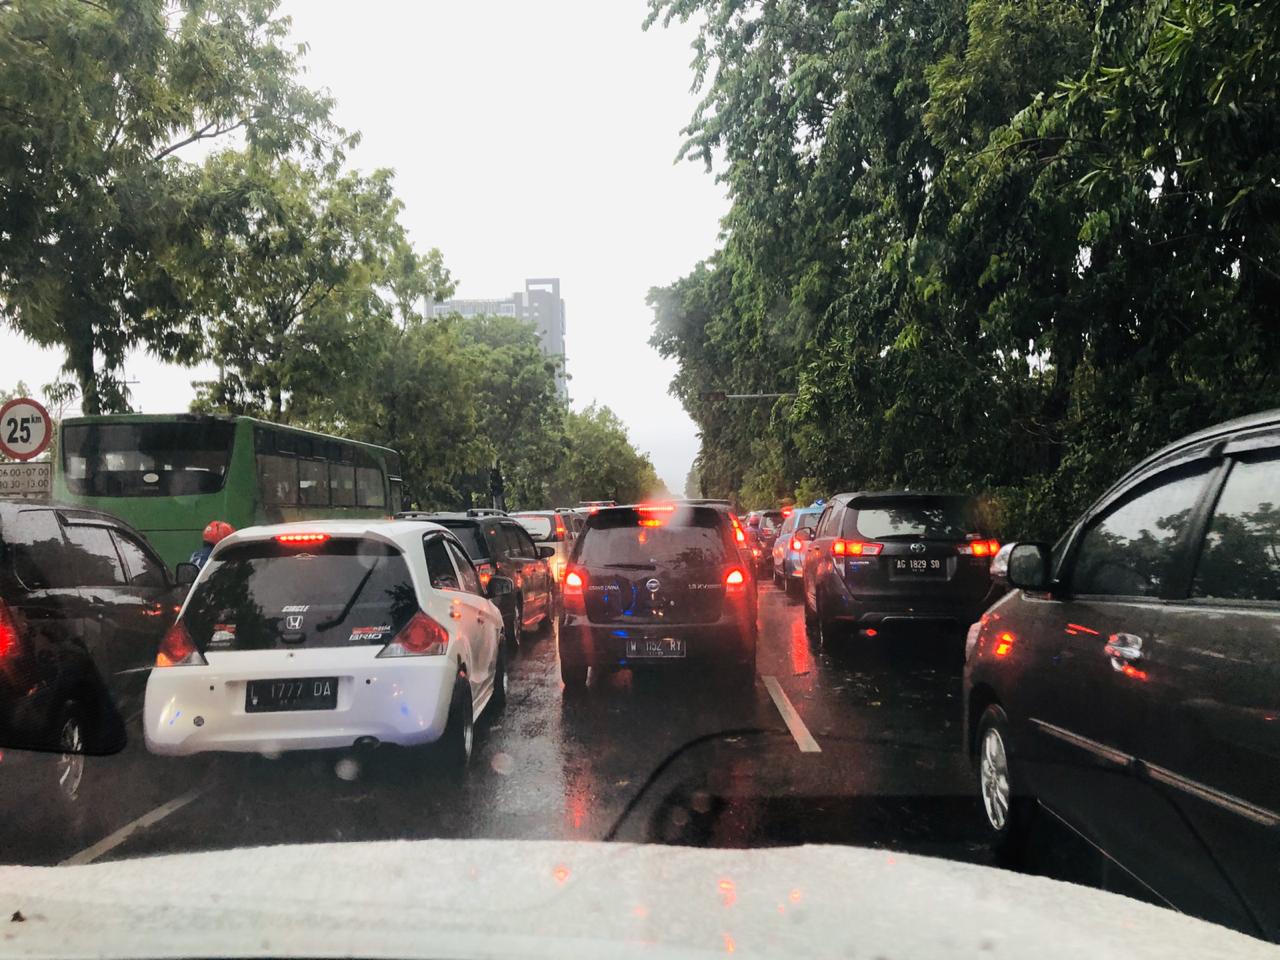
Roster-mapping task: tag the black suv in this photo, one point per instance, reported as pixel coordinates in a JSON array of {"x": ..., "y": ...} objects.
[
  {"x": 84, "y": 603},
  {"x": 657, "y": 584},
  {"x": 876, "y": 560},
  {"x": 499, "y": 546},
  {"x": 1131, "y": 681}
]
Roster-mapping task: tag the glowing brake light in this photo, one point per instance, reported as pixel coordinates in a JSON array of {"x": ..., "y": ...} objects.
[
  {"x": 301, "y": 539},
  {"x": 796, "y": 544},
  {"x": 650, "y": 522},
  {"x": 735, "y": 578},
  {"x": 979, "y": 548},
  {"x": 420, "y": 637},
  {"x": 485, "y": 573},
  {"x": 855, "y": 548},
  {"x": 656, "y": 508},
  {"x": 560, "y": 528},
  {"x": 8, "y": 632},
  {"x": 177, "y": 649},
  {"x": 572, "y": 597},
  {"x": 786, "y": 512},
  {"x": 1004, "y": 645},
  {"x": 573, "y": 582}
]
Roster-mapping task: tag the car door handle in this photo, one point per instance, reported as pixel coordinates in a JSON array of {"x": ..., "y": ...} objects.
[{"x": 1123, "y": 648}]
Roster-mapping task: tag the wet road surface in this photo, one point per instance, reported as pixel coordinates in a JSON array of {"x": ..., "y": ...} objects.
[{"x": 820, "y": 748}]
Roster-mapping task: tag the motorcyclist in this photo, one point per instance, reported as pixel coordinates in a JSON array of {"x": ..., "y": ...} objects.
[{"x": 215, "y": 531}]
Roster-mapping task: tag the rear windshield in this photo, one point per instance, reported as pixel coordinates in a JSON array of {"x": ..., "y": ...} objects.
[
  {"x": 146, "y": 459},
  {"x": 263, "y": 595},
  {"x": 806, "y": 520},
  {"x": 688, "y": 538},
  {"x": 468, "y": 531},
  {"x": 770, "y": 521},
  {"x": 540, "y": 528},
  {"x": 934, "y": 518}
]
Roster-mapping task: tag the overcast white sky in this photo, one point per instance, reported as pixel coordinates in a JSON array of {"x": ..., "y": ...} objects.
[{"x": 529, "y": 140}]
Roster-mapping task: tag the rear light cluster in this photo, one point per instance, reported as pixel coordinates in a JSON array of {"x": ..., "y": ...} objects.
[
  {"x": 177, "y": 649},
  {"x": 8, "y": 632},
  {"x": 557, "y": 569},
  {"x": 485, "y": 572},
  {"x": 572, "y": 595},
  {"x": 796, "y": 544},
  {"x": 855, "y": 548},
  {"x": 735, "y": 578},
  {"x": 979, "y": 548},
  {"x": 420, "y": 637}
]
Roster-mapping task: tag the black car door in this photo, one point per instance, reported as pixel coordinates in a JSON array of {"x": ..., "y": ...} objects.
[
  {"x": 817, "y": 556},
  {"x": 1215, "y": 664},
  {"x": 104, "y": 589},
  {"x": 146, "y": 607},
  {"x": 522, "y": 568},
  {"x": 536, "y": 569},
  {"x": 1093, "y": 715}
]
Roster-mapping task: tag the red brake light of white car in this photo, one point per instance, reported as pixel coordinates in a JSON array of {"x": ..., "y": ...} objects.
[
  {"x": 302, "y": 539},
  {"x": 420, "y": 637},
  {"x": 177, "y": 649},
  {"x": 979, "y": 548}
]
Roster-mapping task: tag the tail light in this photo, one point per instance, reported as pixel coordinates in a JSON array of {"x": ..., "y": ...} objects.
[
  {"x": 561, "y": 532},
  {"x": 735, "y": 578},
  {"x": 557, "y": 569},
  {"x": 756, "y": 552},
  {"x": 738, "y": 533},
  {"x": 796, "y": 544},
  {"x": 574, "y": 599},
  {"x": 8, "y": 632},
  {"x": 1004, "y": 645},
  {"x": 177, "y": 649},
  {"x": 855, "y": 548},
  {"x": 485, "y": 572},
  {"x": 420, "y": 637},
  {"x": 979, "y": 548}
]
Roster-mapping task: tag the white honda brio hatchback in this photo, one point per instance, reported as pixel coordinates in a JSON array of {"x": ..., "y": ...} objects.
[{"x": 330, "y": 634}]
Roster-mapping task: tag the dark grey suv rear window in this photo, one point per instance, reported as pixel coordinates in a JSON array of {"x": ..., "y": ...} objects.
[
  {"x": 932, "y": 518},
  {"x": 471, "y": 537},
  {"x": 687, "y": 538},
  {"x": 263, "y": 595}
]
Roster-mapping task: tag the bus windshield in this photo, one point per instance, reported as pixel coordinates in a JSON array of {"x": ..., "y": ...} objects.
[{"x": 146, "y": 459}]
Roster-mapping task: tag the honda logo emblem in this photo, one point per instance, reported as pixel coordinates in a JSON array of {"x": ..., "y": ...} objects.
[{"x": 293, "y": 623}]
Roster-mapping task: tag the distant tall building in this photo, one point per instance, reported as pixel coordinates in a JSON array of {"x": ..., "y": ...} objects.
[{"x": 540, "y": 302}]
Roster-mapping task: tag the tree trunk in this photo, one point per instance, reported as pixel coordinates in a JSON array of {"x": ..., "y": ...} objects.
[{"x": 79, "y": 343}]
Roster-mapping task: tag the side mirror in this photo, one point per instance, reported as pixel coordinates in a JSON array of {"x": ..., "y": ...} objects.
[
  {"x": 500, "y": 587},
  {"x": 184, "y": 574},
  {"x": 546, "y": 553},
  {"x": 1022, "y": 565}
]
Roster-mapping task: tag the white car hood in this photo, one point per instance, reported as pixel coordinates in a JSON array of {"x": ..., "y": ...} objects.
[{"x": 492, "y": 898}]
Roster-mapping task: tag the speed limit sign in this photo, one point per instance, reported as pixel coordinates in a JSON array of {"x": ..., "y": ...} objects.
[{"x": 25, "y": 430}]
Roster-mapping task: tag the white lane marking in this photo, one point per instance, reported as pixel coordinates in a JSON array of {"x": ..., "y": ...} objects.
[
  {"x": 804, "y": 739},
  {"x": 113, "y": 840}
]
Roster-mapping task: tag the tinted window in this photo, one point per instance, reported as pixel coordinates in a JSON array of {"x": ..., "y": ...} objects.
[
  {"x": 468, "y": 532},
  {"x": 369, "y": 490},
  {"x": 313, "y": 483},
  {"x": 540, "y": 528},
  {"x": 806, "y": 521},
  {"x": 146, "y": 459},
  {"x": 278, "y": 478},
  {"x": 1128, "y": 552},
  {"x": 470, "y": 581},
  {"x": 342, "y": 484},
  {"x": 694, "y": 540},
  {"x": 1241, "y": 555},
  {"x": 93, "y": 556},
  {"x": 439, "y": 566},
  {"x": 344, "y": 593},
  {"x": 826, "y": 525},
  {"x": 142, "y": 568},
  {"x": 934, "y": 518},
  {"x": 37, "y": 552}
]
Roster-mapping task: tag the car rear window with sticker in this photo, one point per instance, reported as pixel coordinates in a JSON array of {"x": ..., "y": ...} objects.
[{"x": 263, "y": 596}]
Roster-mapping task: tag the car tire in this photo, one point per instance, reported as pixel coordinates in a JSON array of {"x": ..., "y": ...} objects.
[
  {"x": 517, "y": 626},
  {"x": 499, "y": 701},
  {"x": 792, "y": 586},
  {"x": 457, "y": 742},
  {"x": 1006, "y": 810},
  {"x": 811, "y": 631},
  {"x": 573, "y": 675},
  {"x": 67, "y": 770},
  {"x": 779, "y": 580}
]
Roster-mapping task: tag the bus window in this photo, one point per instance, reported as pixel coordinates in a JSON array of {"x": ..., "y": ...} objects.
[
  {"x": 342, "y": 484},
  {"x": 146, "y": 458},
  {"x": 278, "y": 479},
  {"x": 313, "y": 483},
  {"x": 369, "y": 489}
]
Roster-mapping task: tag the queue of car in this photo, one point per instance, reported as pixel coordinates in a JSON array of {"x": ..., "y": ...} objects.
[{"x": 1124, "y": 681}]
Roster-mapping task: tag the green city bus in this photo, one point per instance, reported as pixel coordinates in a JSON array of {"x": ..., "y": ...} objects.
[{"x": 169, "y": 475}]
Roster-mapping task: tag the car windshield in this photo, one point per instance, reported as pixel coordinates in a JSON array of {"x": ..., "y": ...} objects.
[{"x": 688, "y": 476}]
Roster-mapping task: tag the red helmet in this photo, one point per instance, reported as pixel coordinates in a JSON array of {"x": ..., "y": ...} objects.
[{"x": 217, "y": 530}]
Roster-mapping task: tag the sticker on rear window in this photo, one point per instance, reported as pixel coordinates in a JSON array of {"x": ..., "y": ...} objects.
[
  {"x": 363, "y": 634},
  {"x": 224, "y": 634},
  {"x": 296, "y": 608}
]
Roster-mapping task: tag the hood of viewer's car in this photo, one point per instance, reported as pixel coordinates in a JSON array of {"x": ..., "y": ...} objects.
[{"x": 494, "y": 898}]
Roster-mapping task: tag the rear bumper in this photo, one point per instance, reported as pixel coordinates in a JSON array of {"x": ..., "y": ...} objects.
[
  {"x": 886, "y": 610},
  {"x": 726, "y": 641},
  {"x": 199, "y": 709}
]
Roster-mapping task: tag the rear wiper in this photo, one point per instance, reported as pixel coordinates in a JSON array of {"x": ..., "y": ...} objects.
[
  {"x": 350, "y": 603},
  {"x": 630, "y": 566}
]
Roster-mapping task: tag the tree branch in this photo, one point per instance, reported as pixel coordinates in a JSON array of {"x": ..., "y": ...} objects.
[{"x": 207, "y": 132}]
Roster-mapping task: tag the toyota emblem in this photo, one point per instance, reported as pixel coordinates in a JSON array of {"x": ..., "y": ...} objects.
[
  {"x": 652, "y": 585},
  {"x": 918, "y": 548}
]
